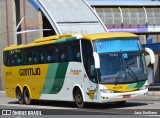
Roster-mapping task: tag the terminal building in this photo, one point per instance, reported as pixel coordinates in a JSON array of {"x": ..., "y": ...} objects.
[{"x": 141, "y": 17}]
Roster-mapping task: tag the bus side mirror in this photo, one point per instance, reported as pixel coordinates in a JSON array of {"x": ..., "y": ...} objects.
[
  {"x": 96, "y": 60},
  {"x": 151, "y": 53}
]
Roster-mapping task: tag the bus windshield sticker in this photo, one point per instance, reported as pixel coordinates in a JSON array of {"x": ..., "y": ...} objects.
[{"x": 125, "y": 55}]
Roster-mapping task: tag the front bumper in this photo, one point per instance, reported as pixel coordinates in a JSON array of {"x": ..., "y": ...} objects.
[{"x": 114, "y": 97}]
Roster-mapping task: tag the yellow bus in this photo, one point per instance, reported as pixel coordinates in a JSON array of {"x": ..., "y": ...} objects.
[{"x": 84, "y": 68}]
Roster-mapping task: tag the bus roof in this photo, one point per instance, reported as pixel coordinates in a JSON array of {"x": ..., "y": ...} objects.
[
  {"x": 108, "y": 35},
  {"x": 69, "y": 37}
]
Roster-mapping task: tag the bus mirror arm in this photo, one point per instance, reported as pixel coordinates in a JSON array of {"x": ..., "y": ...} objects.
[
  {"x": 96, "y": 60},
  {"x": 151, "y": 53}
]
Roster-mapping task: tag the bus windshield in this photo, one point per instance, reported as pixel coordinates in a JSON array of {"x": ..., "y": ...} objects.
[{"x": 122, "y": 66}]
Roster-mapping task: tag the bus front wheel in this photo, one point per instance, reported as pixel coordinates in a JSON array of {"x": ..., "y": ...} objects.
[
  {"x": 78, "y": 98},
  {"x": 27, "y": 97},
  {"x": 19, "y": 96}
]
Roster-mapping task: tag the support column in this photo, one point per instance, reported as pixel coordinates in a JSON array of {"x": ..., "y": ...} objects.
[
  {"x": 14, "y": 22},
  {"x": 40, "y": 23},
  {"x": 7, "y": 22},
  {"x": 24, "y": 14},
  {"x": 156, "y": 69}
]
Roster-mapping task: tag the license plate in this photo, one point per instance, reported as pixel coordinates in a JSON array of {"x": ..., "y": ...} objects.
[{"x": 126, "y": 96}]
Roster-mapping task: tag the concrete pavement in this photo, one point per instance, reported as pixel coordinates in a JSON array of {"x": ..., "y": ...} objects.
[{"x": 153, "y": 93}]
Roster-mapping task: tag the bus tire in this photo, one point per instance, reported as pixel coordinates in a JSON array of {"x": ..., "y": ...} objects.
[
  {"x": 120, "y": 103},
  {"x": 27, "y": 98},
  {"x": 19, "y": 96},
  {"x": 78, "y": 98}
]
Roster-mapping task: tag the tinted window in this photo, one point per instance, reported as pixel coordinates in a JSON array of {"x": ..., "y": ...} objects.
[
  {"x": 52, "y": 53},
  {"x": 74, "y": 51},
  {"x": 88, "y": 60}
]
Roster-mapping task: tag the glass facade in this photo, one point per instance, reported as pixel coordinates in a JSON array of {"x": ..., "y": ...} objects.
[
  {"x": 131, "y": 17},
  {"x": 144, "y": 21}
]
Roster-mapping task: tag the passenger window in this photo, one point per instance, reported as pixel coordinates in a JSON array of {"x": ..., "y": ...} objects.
[
  {"x": 56, "y": 54},
  {"x": 12, "y": 61},
  {"x": 63, "y": 53},
  {"x": 70, "y": 53},
  {"x": 50, "y": 54},
  {"x": 41, "y": 56},
  {"x": 24, "y": 61},
  {"x": 74, "y": 51},
  {"x": 30, "y": 55},
  {"x": 18, "y": 57},
  {"x": 35, "y": 55},
  {"x": 6, "y": 58}
]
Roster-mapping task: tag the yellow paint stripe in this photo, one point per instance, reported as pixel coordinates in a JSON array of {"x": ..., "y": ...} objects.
[{"x": 119, "y": 87}]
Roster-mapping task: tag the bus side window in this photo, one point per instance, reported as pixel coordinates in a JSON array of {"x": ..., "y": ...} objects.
[
  {"x": 56, "y": 54},
  {"x": 12, "y": 58},
  {"x": 63, "y": 53},
  {"x": 74, "y": 51},
  {"x": 24, "y": 59},
  {"x": 88, "y": 60},
  {"x": 49, "y": 56},
  {"x": 19, "y": 57},
  {"x": 78, "y": 56},
  {"x": 15, "y": 59},
  {"x": 29, "y": 56},
  {"x": 6, "y": 58},
  {"x": 63, "y": 57},
  {"x": 41, "y": 55},
  {"x": 70, "y": 53},
  {"x": 35, "y": 55}
]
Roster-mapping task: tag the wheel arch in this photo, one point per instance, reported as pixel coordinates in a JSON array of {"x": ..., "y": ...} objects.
[
  {"x": 26, "y": 86},
  {"x": 77, "y": 86}
]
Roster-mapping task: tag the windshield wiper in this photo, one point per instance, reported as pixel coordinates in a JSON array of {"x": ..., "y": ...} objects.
[
  {"x": 133, "y": 75},
  {"x": 123, "y": 63}
]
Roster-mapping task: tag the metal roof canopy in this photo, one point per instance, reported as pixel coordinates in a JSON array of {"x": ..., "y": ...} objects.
[
  {"x": 124, "y": 3},
  {"x": 71, "y": 16}
]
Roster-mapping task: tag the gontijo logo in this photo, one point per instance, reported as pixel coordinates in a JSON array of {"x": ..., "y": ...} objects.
[
  {"x": 29, "y": 71},
  {"x": 75, "y": 72}
]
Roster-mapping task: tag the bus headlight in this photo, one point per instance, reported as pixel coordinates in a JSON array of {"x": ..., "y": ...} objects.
[
  {"x": 144, "y": 87},
  {"x": 106, "y": 91}
]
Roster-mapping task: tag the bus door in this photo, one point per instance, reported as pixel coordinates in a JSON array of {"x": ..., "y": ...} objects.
[{"x": 90, "y": 78}]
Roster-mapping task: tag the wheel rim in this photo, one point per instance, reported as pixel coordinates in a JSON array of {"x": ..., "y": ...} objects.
[
  {"x": 19, "y": 95},
  {"x": 79, "y": 99},
  {"x": 26, "y": 93}
]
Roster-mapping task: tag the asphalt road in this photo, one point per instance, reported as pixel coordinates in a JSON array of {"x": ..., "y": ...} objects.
[{"x": 138, "y": 108}]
